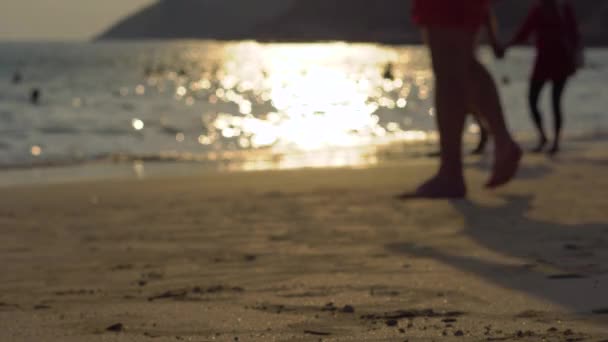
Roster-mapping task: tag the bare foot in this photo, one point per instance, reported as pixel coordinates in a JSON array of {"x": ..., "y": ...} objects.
[
  {"x": 541, "y": 145},
  {"x": 554, "y": 149},
  {"x": 438, "y": 188},
  {"x": 506, "y": 165}
]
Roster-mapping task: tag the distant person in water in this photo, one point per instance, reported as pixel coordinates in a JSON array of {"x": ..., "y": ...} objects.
[
  {"x": 388, "y": 74},
  {"x": 450, "y": 29},
  {"x": 35, "y": 95},
  {"x": 17, "y": 77},
  {"x": 559, "y": 53}
]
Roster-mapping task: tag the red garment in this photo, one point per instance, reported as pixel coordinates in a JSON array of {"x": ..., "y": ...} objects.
[
  {"x": 557, "y": 40},
  {"x": 461, "y": 14}
]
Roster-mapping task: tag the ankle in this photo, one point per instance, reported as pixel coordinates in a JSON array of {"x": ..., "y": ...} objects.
[{"x": 450, "y": 175}]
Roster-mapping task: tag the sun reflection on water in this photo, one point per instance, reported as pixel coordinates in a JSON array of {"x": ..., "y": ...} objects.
[{"x": 294, "y": 105}]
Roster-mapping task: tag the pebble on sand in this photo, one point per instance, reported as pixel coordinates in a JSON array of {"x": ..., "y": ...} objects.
[
  {"x": 118, "y": 327},
  {"x": 392, "y": 322},
  {"x": 348, "y": 309}
]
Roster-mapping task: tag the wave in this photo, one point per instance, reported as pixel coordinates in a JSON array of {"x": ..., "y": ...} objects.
[
  {"x": 58, "y": 130},
  {"x": 269, "y": 159}
]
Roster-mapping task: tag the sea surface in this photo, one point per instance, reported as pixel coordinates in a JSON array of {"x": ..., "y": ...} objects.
[{"x": 246, "y": 105}]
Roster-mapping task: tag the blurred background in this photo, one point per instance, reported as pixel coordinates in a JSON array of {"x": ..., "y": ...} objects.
[{"x": 238, "y": 84}]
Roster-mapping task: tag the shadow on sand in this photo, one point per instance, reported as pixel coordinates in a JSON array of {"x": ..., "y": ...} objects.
[{"x": 565, "y": 264}]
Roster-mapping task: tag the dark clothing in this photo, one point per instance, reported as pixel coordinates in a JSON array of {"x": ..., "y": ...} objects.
[
  {"x": 557, "y": 41},
  {"x": 457, "y": 14}
]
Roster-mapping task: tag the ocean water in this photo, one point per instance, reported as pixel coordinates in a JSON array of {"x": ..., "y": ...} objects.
[{"x": 246, "y": 105}]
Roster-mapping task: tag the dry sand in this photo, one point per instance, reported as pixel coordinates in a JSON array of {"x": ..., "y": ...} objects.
[{"x": 310, "y": 255}]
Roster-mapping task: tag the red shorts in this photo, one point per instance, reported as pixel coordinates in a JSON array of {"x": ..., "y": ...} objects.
[{"x": 461, "y": 14}]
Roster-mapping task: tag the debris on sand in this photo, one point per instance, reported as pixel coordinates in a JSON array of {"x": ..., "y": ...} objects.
[
  {"x": 392, "y": 322},
  {"x": 348, "y": 309},
  {"x": 329, "y": 307},
  {"x": 118, "y": 327},
  {"x": 400, "y": 314},
  {"x": 169, "y": 294},
  {"x": 250, "y": 257},
  {"x": 182, "y": 294},
  {"x": 217, "y": 289},
  {"x": 567, "y": 276},
  {"x": 41, "y": 307},
  {"x": 317, "y": 333}
]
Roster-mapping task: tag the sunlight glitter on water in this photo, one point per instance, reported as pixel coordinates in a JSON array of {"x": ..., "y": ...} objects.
[
  {"x": 322, "y": 101},
  {"x": 261, "y": 105},
  {"x": 246, "y": 104}
]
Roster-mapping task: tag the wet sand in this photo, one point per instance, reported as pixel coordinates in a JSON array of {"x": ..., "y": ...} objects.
[{"x": 310, "y": 255}]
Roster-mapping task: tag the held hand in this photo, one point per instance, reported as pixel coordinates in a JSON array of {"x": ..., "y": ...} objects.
[{"x": 499, "y": 52}]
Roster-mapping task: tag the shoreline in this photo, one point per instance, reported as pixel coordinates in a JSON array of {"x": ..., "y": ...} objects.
[{"x": 125, "y": 166}]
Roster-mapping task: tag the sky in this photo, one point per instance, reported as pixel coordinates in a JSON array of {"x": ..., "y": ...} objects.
[{"x": 61, "y": 19}]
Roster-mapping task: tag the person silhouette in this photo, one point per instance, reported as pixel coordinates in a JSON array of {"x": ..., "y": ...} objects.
[
  {"x": 17, "y": 77},
  {"x": 559, "y": 53},
  {"x": 35, "y": 95},
  {"x": 450, "y": 29},
  {"x": 388, "y": 73}
]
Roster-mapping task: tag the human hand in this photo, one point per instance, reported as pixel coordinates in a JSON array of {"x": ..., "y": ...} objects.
[{"x": 499, "y": 52}]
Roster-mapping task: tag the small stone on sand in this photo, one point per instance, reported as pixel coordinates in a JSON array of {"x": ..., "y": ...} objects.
[
  {"x": 118, "y": 327},
  {"x": 392, "y": 322},
  {"x": 348, "y": 309}
]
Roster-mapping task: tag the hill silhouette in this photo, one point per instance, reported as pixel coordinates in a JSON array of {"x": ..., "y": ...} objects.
[{"x": 383, "y": 21}]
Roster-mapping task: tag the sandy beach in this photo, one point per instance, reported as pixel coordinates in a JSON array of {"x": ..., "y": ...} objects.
[{"x": 310, "y": 255}]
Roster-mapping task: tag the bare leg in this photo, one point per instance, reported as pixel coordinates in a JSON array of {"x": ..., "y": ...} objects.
[
  {"x": 536, "y": 87},
  {"x": 483, "y": 134},
  {"x": 558, "y": 90},
  {"x": 451, "y": 53},
  {"x": 507, "y": 154}
]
